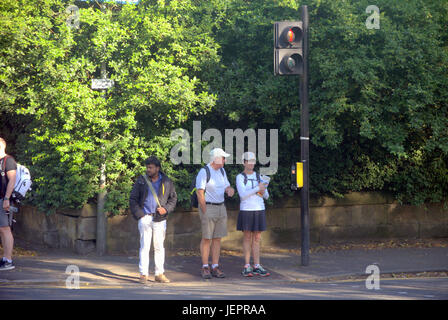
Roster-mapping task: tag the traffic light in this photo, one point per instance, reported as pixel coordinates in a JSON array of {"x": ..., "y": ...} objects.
[
  {"x": 297, "y": 176},
  {"x": 288, "y": 48}
]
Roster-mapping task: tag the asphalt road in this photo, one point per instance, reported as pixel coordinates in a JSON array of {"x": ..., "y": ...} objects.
[{"x": 390, "y": 289}]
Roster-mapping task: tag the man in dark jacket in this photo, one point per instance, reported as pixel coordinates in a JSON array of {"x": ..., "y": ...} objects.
[{"x": 151, "y": 212}]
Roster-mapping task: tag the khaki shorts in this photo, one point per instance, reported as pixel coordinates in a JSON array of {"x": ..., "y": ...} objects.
[{"x": 214, "y": 222}]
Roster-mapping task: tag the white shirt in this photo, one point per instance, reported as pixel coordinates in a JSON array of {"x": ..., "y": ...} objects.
[
  {"x": 250, "y": 201},
  {"x": 215, "y": 188}
]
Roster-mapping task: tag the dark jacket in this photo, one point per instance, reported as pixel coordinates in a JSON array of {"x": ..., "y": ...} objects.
[{"x": 167, "y": 197}]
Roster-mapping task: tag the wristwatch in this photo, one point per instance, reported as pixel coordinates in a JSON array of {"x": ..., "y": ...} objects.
[{"x": 6, "y": 199}]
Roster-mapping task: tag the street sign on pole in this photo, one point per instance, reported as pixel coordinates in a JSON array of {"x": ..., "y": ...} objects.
[{"x": 102, "y": 84}]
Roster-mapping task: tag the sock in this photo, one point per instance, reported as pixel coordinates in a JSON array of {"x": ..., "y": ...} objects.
[
  {"x": 256, "y": 265},
  {"x": 247, "y": 265},
  {"x": 7, "y": 260},
  {"x": 214, "y": 266},
  {"x": 205, "y": 266}
]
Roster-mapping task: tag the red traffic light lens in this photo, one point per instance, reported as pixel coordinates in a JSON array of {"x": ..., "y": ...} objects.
[{"x": 291, "y": 36}]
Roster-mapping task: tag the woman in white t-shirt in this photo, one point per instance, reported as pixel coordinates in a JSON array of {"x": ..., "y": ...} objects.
[{"x": 252, "y": 215}]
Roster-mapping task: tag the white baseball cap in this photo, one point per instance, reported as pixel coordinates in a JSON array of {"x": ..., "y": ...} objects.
[
  {"x": 218, "y": 152},
  {"x": 248, "y": 156}
]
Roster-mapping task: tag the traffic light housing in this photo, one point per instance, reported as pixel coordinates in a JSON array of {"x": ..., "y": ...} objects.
[
  {"x": 288, "y": 48},
  {"x": 297, "y": 176}
]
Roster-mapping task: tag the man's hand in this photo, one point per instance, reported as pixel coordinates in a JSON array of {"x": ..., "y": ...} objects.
[
  {"x": 201, "y": 200},
  {"x": 262, "y": 187},
  {"x": 230, "y": 191},
  {"x": 161, "y": 211},
  {"x": 6, "y": 205},
  {"x": 203, "y": 209}
]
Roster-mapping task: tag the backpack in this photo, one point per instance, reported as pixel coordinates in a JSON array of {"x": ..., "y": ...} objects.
[
  {"x": 193, "y": 196},
  {"x": 23, "y": 181},
  {"x": 245, "y": 177}
]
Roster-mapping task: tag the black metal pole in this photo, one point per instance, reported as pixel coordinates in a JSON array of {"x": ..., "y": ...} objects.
[{"x": 304, "y": 145}]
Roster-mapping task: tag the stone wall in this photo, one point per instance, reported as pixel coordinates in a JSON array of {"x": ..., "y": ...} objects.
[
  {"x": 71, "y": 229},
  {"x": 356, "y": 216}
]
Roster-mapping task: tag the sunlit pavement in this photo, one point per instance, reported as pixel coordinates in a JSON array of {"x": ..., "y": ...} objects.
[{"x": 403, "y": 289}]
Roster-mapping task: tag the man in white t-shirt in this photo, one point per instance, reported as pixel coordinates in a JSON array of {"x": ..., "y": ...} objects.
[{"x": 212, "y": 210}]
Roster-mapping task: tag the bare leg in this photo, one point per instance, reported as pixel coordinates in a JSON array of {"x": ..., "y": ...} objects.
[
  {"x": 216, "y": 249},
  {"x": 256, "y": 239},
  {"x": 205, "y": 250},
  {"x": 247, "y": 240},
  {"x": 7, "y": 242}
]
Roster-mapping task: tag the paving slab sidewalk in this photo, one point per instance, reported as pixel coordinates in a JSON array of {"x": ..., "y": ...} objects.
[{"x": 53, "y": 268}]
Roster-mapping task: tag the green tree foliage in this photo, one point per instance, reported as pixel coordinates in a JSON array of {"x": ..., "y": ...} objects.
[
  {"x": 378, "y": 109},
  {"x": 379, "y": 114},
  {"x": 154, "y": 53}
]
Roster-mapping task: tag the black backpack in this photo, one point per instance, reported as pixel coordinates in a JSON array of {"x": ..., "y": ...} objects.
[
  {"x": 245, "y": 177},
  {"x": 193, "y": 196}
]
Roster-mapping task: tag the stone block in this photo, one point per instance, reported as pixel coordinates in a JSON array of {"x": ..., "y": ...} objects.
[
  {"x": 30, "y": 224},
  {"x": 292, "y": 218},
  {"x": 433, "y": 214},
  {"x": 328, "y": 233},
  {"x": 319, "y": 217},
  {"x": 84, "y": 247},
  {"x": 233, "y": 241},
  {"x": 122, "y": 234},
  {"x": 121, "y": 244},
  {"x": 69, "y": 212},
  {"x": 331, "y": 216},
  {"x": 232, "y": 219},
  {"x": 369, "y": 215},
  {"x": 86, "y": 228},
  {"x": 277, "y": 236},
  {"x": 279, "y": 217},
  {"x": 180, "y": 222},
  {"x": 433, "y": 230},
  {"x": 358, "y": 215},
  {"x": 353, "y": 198},
  {"x": 88, "y": 210},
  {"x": 407, "y": 229},
  {"x": 403, "y": 214},
  {"x": 287, "y": 202},
  {"x": 187, "y": 241},
  {"x": 51, "y": 239},
  {"x": 66, "y": 227},
  {"x": 366, "y": 198}
]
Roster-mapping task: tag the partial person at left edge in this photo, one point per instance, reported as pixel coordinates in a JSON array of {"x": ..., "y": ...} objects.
[{"x": 8, "y": 180}]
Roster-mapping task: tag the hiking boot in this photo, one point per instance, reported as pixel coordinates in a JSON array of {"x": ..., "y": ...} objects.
[
  {"x": 261, "y": 271},
  {"x": 247, "y": 272},
  {"x": 216, "y": 272},
  {"x": 143, "y": 279},
  {"x": 205, "y": 272},
  {"x": 5, "y": 265},
  {"x": 161, "y": 278}
]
